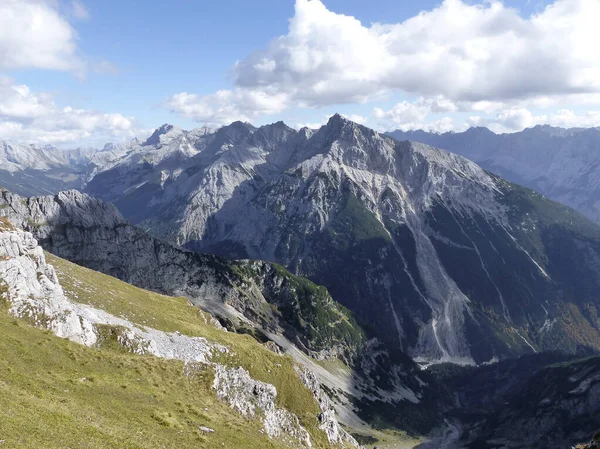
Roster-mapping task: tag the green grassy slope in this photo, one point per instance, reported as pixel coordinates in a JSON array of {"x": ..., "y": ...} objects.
[{"x": 56, "y": 394}]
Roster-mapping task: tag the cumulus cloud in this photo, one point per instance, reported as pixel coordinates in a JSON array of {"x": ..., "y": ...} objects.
[
  {"x": 441, "y": 125},
  {"x": 35, "y": 118},
  {"x": 34, "y": 35},
  {"x": 497, "y": 116},
  {"x": 483, "y": 54},
  {"x": 460, "y": 50},
  {"x": 412, "y": 115},
  {"x": 226, "y": 106}
]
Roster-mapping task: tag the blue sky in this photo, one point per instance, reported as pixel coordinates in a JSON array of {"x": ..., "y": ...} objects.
[{"x": 123, "y": 67}]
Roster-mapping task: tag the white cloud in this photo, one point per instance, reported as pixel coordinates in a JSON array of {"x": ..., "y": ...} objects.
[
  {"x": 481, "y": 56},
  {"x": 355, "y": 118},
  {"x": 569, "y": 119},
  {"x": 514, "y": 119},
  {"x": 309, "y": 125},
  {"x": 226, "y": 106},
  {"x": 442, "y": 125},
  {"x": 34, "y": 35},
  {"x": 406, "y": 115},
  {"x": 27, "y": 117}
]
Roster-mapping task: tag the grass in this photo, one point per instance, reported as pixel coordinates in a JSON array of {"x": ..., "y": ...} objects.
[
  {"x": 57, "y": 394},
  {"x": 355, "y": 223},
  {"x": 322, "y": 320},
  {"x": 177, "y": 314},
  {"x": 5, "y": 225}
]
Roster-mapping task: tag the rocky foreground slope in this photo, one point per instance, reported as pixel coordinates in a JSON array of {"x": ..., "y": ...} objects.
[
  {"x": 435, "y": 256},
  {"x": 31, "y": 291}
]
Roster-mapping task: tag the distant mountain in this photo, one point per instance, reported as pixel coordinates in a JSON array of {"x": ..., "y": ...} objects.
[
  {"x": 434, "y": 255},
  {"x": 32, "y": 170},
  {"x": 562, "y": 164}
]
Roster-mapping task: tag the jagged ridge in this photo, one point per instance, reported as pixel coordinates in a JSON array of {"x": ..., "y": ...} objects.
[{"x": 435, "y": 255}]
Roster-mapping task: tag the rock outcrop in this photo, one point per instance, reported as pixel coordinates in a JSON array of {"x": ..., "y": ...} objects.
[
  {"x": 34, "y": 293},
  {"x": 594, "y": 444},
  {"x": 253, "y": 398},
  {"x": 328, "y": 422}
]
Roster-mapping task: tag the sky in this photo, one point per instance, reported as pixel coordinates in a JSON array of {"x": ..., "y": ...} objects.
[{"x": 87, "y": 72}]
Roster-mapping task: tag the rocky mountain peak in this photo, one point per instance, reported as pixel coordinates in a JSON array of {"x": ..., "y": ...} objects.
[
  {"x": 238, "y": 125},
  {"x": 155, "y": 138},
  {"x": 479, "y": 131},
  {"x": 232, "y": 134},
  {"x": 273, "y": 136},
  {"x": 341, "y": 128},
  {"x": 348, "y": 144},
  {"x": 338, "y": 124},
  {"x": 201, "y": 131}
]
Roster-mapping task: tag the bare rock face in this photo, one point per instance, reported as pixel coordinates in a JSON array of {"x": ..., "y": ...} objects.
[
  {"x": 328, "y": 421},
  {"x": 594, "y": 444},
  {"x": 560, "y": 163},
  {"x": 41, "y": 170},
  {"x": 36, "y": 170},
  {"x": 33, "y": 292},
  {"x": 253, "y": 398}
]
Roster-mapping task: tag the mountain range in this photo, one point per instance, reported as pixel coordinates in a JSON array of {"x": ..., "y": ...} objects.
[
  {"x": 435, "y": 256},
  {"x": 560, "y": 163},
  {"x": 404, "y": 276}
]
